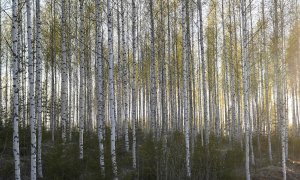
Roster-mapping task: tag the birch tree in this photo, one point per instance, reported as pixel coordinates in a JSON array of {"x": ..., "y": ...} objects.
[
  {"x": 31, "y": 92},
  {"x": 266, "y": 83},
  {"x": 69, "y": 65},
  {"x": 100, "y": 86},
  {"x": 111, "y": 89},
  {"x": 279, "y": 90},
  {"x": 16, "y": 150},
  {"x": 1, "y": 107},
  {"x": 204, "y": 72},
  {"x": 81, "y": 91},
  {"x": 53, "y": 89},
  {"x": 163, "y": 89},
  {"x": 245, "y": 84},
  {"x": 185, "y": 84},
  {"x": 64, "y": 76},
  {"x": 125, "y": 77},
  {"x": 39, "y": 86},
  {"x": 178, "y": 103},
  {"x": 232, "y": 78},
  {"x": 153, "y": 93},
  {"x": 134, "y": 36}
]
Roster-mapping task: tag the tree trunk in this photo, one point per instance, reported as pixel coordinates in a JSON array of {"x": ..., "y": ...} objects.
[
  {"x": 153, "y": 93},
  {"x": 16, "y": 150},
  {"x": 100, "y": 87},
  {"x": 134, "y": 36},
  {"x": 204, "y": 75},
  {"x": 111, "y": 89},
  {"x": 185, "y": 83},
  {"x": 279, "y": 90},
  {"x": 266, "y": 84},
  {"x": 53, "y": 89},
  {"x": 39, "y": 86},
  {"x": 125, "y": 77},
  {"x": 82, "y": 74},
  {"x": 31, "y": 92},
  {"x": 1, "y": 121},
  {"x": 245, "y": 84}
]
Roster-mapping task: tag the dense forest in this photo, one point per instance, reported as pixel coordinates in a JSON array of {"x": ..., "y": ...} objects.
[{"x": 149, "y": 89}]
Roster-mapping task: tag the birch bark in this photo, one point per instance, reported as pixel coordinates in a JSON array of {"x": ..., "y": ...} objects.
[
  {"x": 153, "y": 95},
  {"x": 81, "y": 91},
  {"x": 204, "y": 75},
  {"x": 111, "y": 89},
  {"x": 245, "y": 84},
  {"x": 134, "y": 36},
  {"x": 31, "y": 92},
  {"x": 16, "y": 150},
  {"x": 100, "y": 86},
  {"x": 39, "y": 86},
  {"x": 185, "y": 85},
  {"x": 125, "y": 77}
]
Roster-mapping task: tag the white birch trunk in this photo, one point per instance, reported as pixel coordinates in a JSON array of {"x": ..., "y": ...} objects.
[
  {"x": 279, "y": 90},
  {"x": 245, "y": 85},
  {"x": 133, "y": 85},
  {"x": 39, "y": 86},
  {"x": 284, "y": 92},
  {"x": 225, "y": 59},
  {"x": 232, "y": 80},
  {"x": 100, "y": 87},
  {"x": 185, "y": 86},
  {"x": 125, "y": 77},
  {"x": 111, "y": 89},
  {"x": 251, "y": 130},
  {"x": 31, "y": 92},
  {"x": 119, "y": 75},
  {"x": 16, "y": 150},
  {"x": 64, "y": 76},
  {"x": 216, "y": 80},
  {"x": 204, "y": 75},
  {"x": 266, "y": 85},
  {"x": 53, "y": 73},
  {"x": 81, "y": 91},
  {"x": 153, "y": 93},
  {"x": 70, "y": 103}
]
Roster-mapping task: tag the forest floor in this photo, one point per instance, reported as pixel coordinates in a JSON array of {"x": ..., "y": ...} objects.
[
  {"x": 224, "y": 162},
  {"x": 273, "y": 172}
]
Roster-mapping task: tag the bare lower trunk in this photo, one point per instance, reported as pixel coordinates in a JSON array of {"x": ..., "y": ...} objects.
[
  {"x": 31, "y": 92},
  {"x": 64, "y": 77},
  {"x": 153, "y": 95},
  {"x": 39, "y": 87},
  {"x": 81, "y": 91},
  {"x": 204, "y": 82},
  {"x": 125, "y": 77},
  {"x": 100, "y": 87},
  {"x": 185, "y": 84},
  {"x": 245, "y": 85},
  {"x": 16, "y": 150},
  {"x": 111, "y": 89},
  {"x": 133, "y": 85}
]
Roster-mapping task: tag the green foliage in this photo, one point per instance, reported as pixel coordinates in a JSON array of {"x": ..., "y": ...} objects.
[
  {"x": 62, "y": 161},
  {"x": 220, "y": 160},
  {"x": 6, "y": 159},
  {"x": 147, "y": 159},
  {"x": 176, "y": 155},
  {"x": 61, "y": 165}
]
